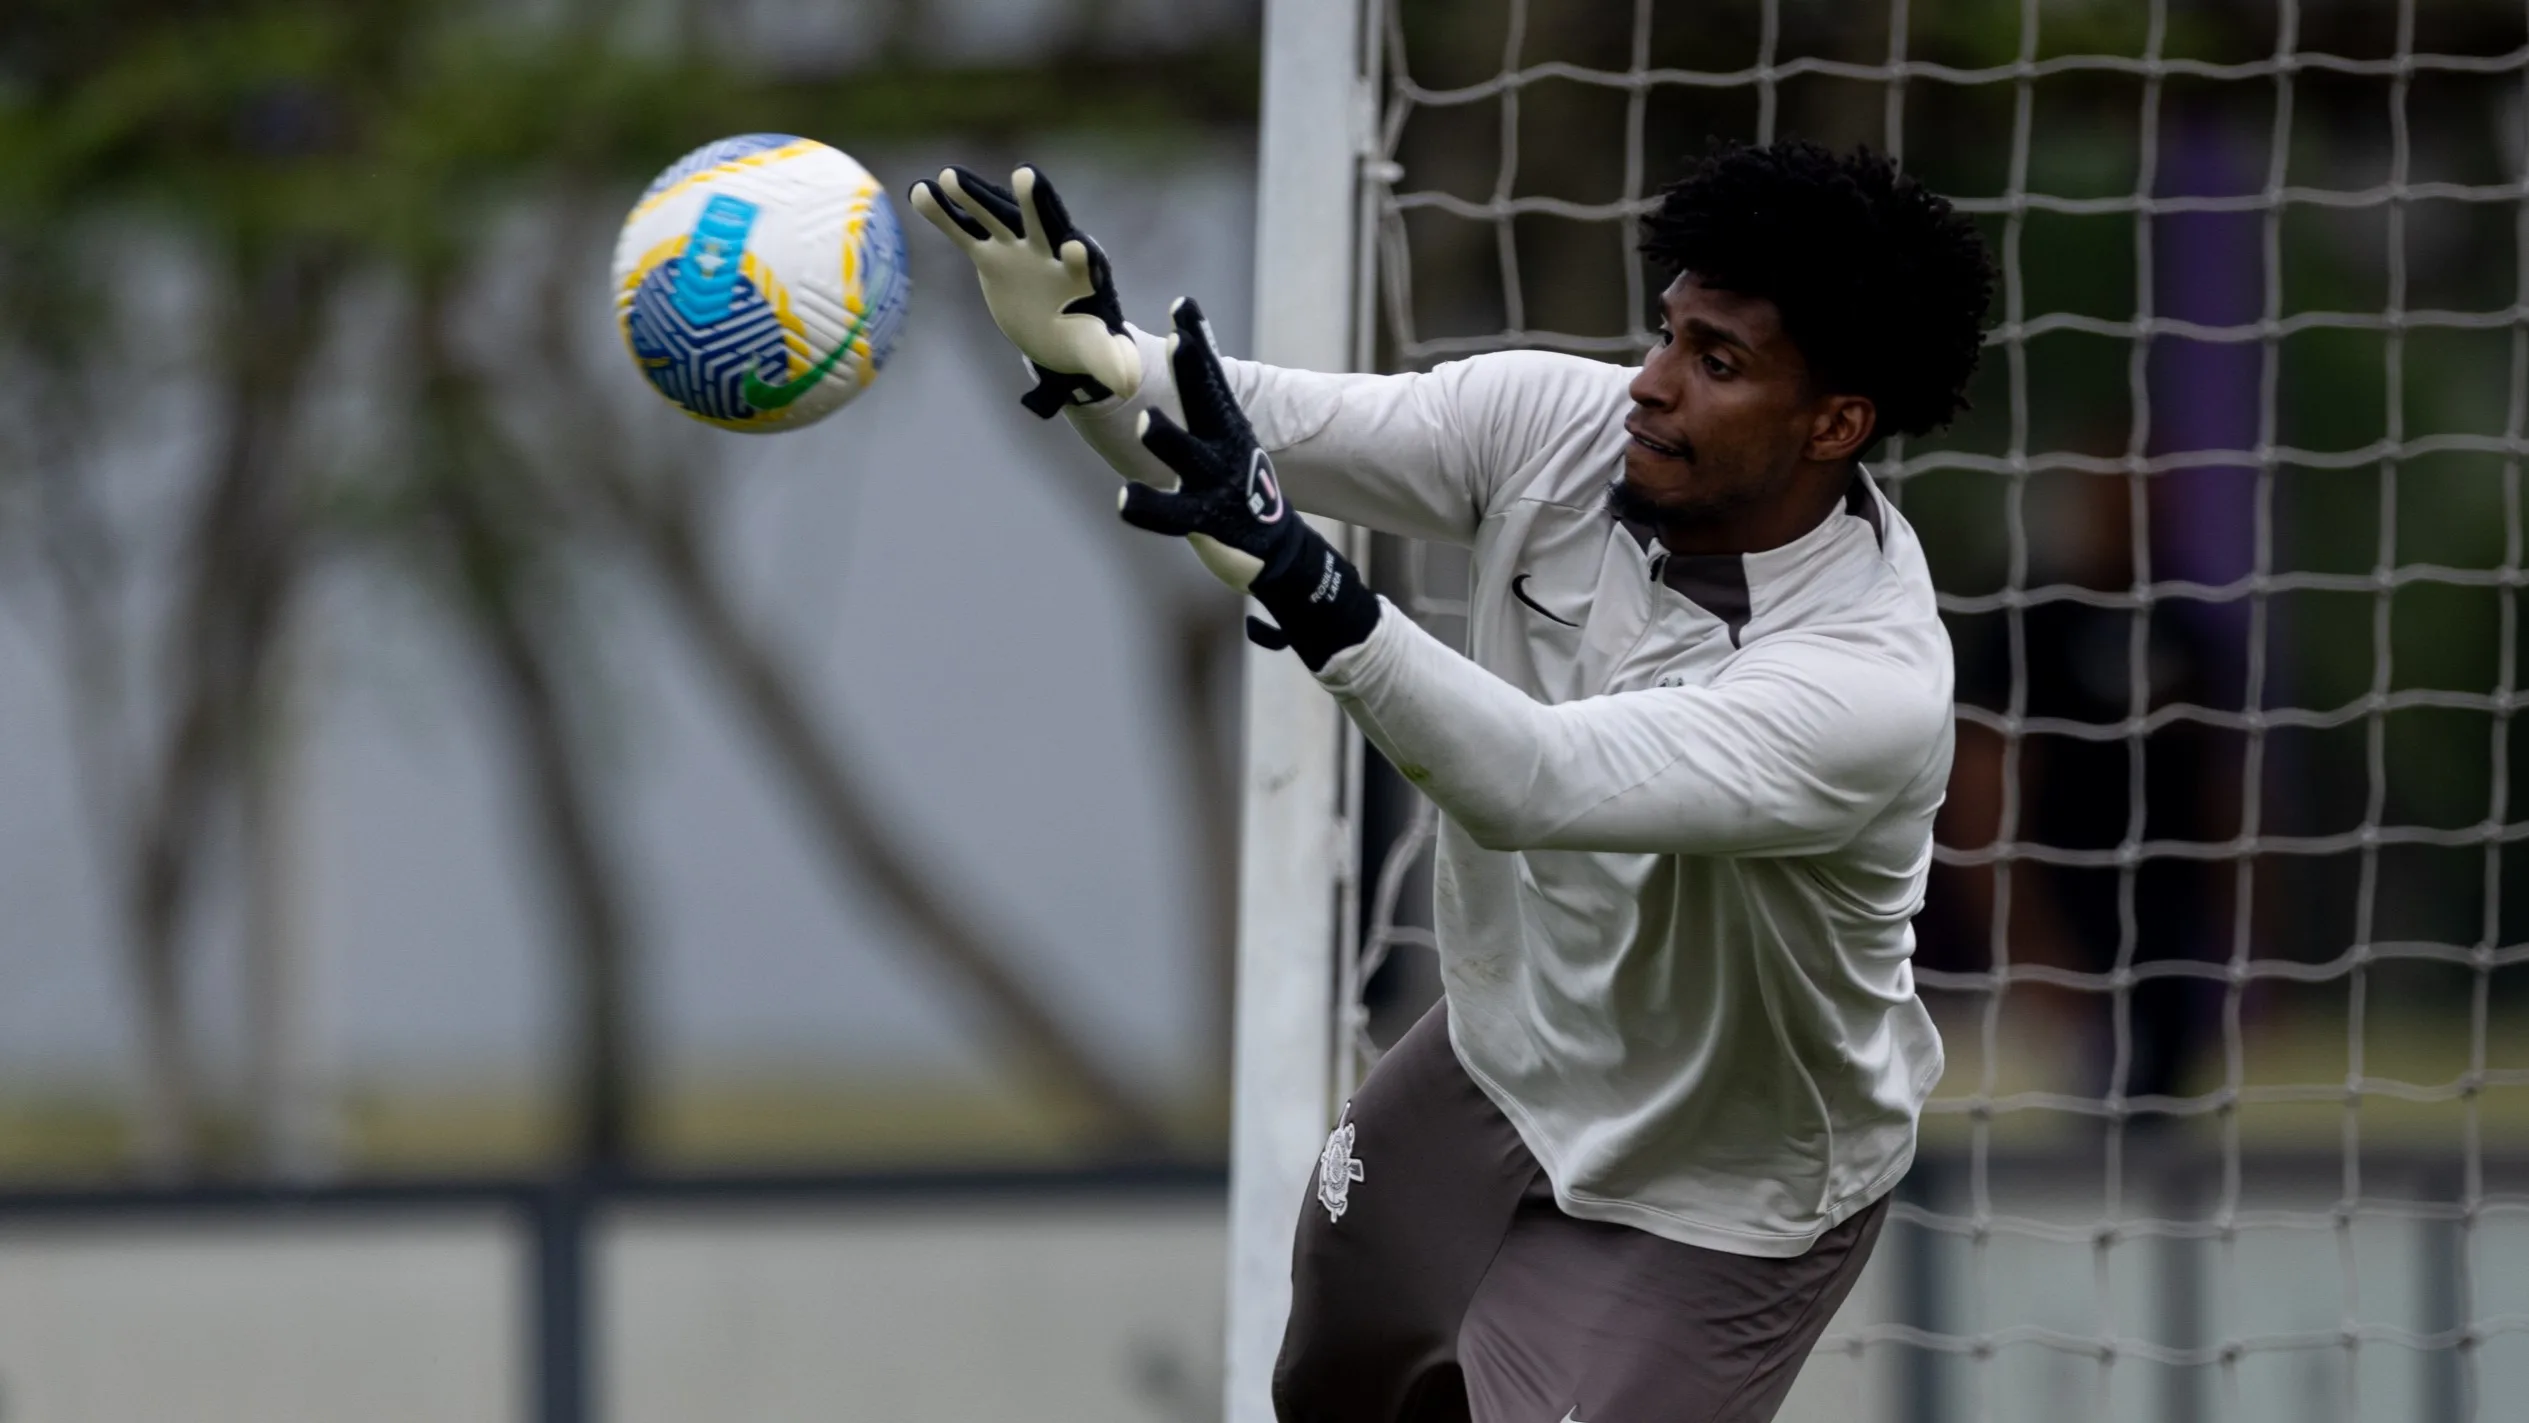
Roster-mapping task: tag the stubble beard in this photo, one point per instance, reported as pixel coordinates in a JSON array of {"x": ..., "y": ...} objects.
[
  {"x": 1720, "y": 493},
  {"x": 1633, "y": 504}
]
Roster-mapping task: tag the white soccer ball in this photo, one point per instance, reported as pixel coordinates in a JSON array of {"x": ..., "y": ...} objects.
[{"x": 760, "y": 282}]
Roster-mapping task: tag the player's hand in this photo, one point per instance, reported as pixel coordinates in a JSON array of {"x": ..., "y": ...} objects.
[
  {"x": 1045, "y": 281},
  {"x": 1228, "y": 504}
]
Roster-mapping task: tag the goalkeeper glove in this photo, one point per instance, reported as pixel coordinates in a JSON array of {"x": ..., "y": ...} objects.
[
  {"x": 1229, "y": 506},
  {"x": 1045, "y": 281}
]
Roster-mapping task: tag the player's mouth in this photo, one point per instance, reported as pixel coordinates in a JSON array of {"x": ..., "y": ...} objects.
[{"x": 1661, "y": 448}]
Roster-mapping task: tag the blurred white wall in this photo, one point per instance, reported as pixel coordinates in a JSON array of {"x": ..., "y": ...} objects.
[
  {"x": 405, "y": 1320},
  {"x": 1108, "y": 1310},
  {"x": 1103, "y": 1312}
]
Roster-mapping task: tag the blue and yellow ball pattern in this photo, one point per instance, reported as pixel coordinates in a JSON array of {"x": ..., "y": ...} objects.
[{"x": 760, "y": 282}]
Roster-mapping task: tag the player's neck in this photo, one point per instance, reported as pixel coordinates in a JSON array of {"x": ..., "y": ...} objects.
[{"x": 1806, "y": 501}]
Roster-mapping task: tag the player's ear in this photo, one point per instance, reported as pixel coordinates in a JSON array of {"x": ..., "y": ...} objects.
[{"x": 1840, "y": 428}]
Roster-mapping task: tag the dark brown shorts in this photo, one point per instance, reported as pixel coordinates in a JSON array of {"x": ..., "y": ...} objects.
[{"x": 1435, "y": 1279}]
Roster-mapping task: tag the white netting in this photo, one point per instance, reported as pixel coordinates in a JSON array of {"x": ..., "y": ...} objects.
[{"x": 2231, "y": 550}]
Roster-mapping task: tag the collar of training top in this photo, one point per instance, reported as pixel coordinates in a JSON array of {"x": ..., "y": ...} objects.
[{"x": 1717, "y": 582}]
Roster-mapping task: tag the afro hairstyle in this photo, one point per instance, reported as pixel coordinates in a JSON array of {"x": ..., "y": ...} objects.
[{"x": 1881, "y": 284}]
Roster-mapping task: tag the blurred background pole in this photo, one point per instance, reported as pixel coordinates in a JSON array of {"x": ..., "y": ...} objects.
[
  {"x": 288, "y": 1094},
  {"x": 1290, "y": 865}
]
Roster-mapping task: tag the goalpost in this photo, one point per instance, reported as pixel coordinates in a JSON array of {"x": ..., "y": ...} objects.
[
  {"x": 2237, "y": 1123},
  {"x": 1296, "y": 852}
]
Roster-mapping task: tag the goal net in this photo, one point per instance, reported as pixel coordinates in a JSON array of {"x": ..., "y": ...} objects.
[{"x": 2223, "y": 937}]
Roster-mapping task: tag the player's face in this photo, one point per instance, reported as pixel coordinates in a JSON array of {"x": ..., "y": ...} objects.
[{"x": 1723, "y": 411}]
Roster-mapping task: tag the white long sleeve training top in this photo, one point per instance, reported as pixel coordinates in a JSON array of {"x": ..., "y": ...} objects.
[{"x": 1687, "y": 801}]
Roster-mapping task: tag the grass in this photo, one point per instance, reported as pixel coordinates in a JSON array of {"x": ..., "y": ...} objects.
[
  {"x": 799, "y": 1119},
  {"x": 2309, "y": 1047},
  {"x": 749, "y": 1121}
]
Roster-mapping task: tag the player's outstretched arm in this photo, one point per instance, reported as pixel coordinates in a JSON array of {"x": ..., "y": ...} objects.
[
  {"x": 1229, "y": 506},
  {"x": 1799, "y": 744},
  {"x": 1421, "y": 454},
  {"x": 1417, "y": 454},
  {"x": 1045, "y": 281},
  {"x": 1793, "y": 751}
]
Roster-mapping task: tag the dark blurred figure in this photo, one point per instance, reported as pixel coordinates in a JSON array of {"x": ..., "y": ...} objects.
[
  {"x": 2076, "y": 793},
  {"x": 2083, "y": 665}
]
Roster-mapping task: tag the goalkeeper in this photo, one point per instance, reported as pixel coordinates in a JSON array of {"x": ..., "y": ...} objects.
[{"x": 1633, "y": 1163}]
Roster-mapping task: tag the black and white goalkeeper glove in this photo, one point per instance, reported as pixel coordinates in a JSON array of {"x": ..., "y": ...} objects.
[
  {"x": 1228, "y": 504},
  {"x": 1045, "y": 281}
]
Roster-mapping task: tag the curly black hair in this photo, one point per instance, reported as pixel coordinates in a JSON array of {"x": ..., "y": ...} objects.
[{"x": 1881, "y": 284}]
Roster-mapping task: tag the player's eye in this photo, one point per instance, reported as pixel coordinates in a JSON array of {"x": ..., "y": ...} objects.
[
  {"x": 1718, "y": 367},
  {"x": 1667, "y": 337}
]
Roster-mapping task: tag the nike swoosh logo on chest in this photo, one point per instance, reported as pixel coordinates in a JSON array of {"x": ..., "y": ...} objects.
[{"x": 1519, "y": 590}]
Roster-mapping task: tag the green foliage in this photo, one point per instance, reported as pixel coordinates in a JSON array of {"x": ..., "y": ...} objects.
[{"x": 390, "y": 127}]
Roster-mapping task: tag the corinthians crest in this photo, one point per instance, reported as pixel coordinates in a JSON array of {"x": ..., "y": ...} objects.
[{"x": 1337, "y": 1169}]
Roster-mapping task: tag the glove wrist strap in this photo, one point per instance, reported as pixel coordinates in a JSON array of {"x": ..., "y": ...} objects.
[
  {"x": 1319, "y": 599},
  {"x": 1057, "y": 389}
]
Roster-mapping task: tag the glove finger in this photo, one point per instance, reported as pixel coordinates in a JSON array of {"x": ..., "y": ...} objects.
[
  {"x": 990, "y": 201},
  {"x": 1086, "y": 260},
  {"x": 1074, "y": 255},
  {"x": 1197, "y": 320},
  {"x": 1233, "y": 566},
  {"x": 944, "y": 214},
  {"x": 1210, "y": 410},
  {"x": 1037, "y": 190},
  {"x": 1180, "y": 451},
  {"x": 1157, "y": 510},
  {"x": 1052, "y": 227}
]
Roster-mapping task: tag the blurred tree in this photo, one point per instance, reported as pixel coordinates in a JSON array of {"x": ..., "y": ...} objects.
[{"x": 288, "y": 148}]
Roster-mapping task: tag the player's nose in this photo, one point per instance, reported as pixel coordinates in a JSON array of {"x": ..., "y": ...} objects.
[{"x": 1651, "y": 388}]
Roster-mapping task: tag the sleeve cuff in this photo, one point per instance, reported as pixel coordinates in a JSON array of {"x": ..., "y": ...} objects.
[
  {"x": 1107, "y": 426},
  {"x": 1360, "y": 670}
]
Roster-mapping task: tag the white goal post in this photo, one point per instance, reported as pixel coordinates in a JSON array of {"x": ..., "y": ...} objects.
[{"x": 1295, "y": 852}]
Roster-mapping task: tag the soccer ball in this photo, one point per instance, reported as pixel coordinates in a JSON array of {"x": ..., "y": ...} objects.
[{"x": 761, "y": 281}]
